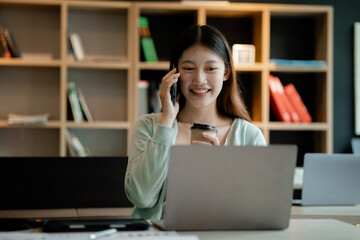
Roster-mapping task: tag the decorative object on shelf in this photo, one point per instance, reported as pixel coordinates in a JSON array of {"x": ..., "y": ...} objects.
[
  {"x": 75, "y": 146},
  {"x": 297, "y": 63},
  {"x": 75, "y": 102},
  {"x": 28, "y": 119},
  {"x": 296, "y": 101},
  {"x": 243, "y": 54},
  {"x": 147, "y": 42}
]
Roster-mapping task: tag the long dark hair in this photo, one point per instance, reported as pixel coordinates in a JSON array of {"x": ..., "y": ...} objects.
[{"x": 229, "y": 101}]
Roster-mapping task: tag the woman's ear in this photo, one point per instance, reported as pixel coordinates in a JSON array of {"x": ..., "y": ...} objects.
[{"x": 227, "y": 73}]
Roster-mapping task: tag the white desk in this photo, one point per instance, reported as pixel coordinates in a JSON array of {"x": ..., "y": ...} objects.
[
  {"x": 300, "y": 229},
  {"x": 349, "y": 214}
]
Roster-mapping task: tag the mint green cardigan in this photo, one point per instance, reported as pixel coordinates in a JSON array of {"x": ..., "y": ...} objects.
[{"x": 149, "y": 156}]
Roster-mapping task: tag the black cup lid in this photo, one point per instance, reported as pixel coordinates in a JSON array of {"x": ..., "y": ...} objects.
[{"x": 204, "y": 127}]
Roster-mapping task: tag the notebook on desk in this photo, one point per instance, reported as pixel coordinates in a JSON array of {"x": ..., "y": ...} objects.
[
  {"x": 229, "y": 188},
  {"x": 331, "y": 179}
]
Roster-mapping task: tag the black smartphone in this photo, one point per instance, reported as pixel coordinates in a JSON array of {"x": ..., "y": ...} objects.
[
  {"x": 87, "y": 225},
  {"x": 173, "y": 93}
]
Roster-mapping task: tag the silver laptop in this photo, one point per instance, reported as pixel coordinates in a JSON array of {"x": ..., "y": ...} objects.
[
  {"x": 229, "y": 188},
  {"x": 355, "y": 145},
  {"x": 331, "y": 179}
]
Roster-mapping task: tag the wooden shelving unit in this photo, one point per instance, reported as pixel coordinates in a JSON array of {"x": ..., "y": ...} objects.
[{"x": 109, "y": 29}]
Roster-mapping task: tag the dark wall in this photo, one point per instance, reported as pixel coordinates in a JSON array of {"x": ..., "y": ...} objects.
[{"x": 346, "y": 12}]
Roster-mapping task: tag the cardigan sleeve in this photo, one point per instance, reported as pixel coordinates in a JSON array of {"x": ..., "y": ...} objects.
[{"x": 148, "y": 161}]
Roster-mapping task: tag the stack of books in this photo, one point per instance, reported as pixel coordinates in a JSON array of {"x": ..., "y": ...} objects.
[
  {"x": 286, "y": 102},
  {"x": 8, "y": 47}
]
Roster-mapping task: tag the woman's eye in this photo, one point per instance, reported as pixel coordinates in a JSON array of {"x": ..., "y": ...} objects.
[
  {"x": 188, "y": 68},
  {"x": 211, "y": 68}
]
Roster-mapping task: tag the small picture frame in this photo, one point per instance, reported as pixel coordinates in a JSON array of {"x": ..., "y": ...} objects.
[{"x": 243, "y": 54}]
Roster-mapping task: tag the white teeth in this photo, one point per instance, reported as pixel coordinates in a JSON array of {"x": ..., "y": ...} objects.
[{"x": 199, "y": 91}]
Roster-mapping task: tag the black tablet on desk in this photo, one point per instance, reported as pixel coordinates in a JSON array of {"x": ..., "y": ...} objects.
[{"x": 90, "y": 225}]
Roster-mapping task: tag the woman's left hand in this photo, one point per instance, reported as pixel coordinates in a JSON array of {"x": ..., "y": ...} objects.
[{"x": 213, "y": 140}]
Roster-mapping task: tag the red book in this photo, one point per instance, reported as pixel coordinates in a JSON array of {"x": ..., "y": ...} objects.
[
  {"x": 277, "y": 100},
  {"x": 297, "y": 103},
  {"x": 292, "y": 111}
]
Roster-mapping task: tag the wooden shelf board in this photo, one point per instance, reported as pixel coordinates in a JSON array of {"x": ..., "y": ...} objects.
[
  {"x": 298, "y": 126},
  {"x": 100, "y": 125},
  {"x": 161, "y": 65},
  {"x": 30, "y": 62},
  {"x": 99, "y": 64},
  {"x": 49, "y": 124},
  {"x": 256, "y": 67}
]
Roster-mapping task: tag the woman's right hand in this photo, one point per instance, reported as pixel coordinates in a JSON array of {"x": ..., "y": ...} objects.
[{"x": 168, "y": 110}]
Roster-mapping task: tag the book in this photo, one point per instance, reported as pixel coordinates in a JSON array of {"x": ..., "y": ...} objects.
[
  {"x": 28, "y": 119},
  {"x": 75, "y": 102},
  {"x": 77, "y": 47},
  {"x": 277, "y": 100},
  {"x": 154, "y": 99},
  {"x": 75, "y": 146},
  {"x": 292, "y": 111},
  {"x": 84, "y": 106},
  {"x": 147, "y": 43},
  {"x": 5, "y": 52},
  {"x": 298, "y": 63},
  {"x": 297, "y": 103},
  {"x": 143, "y": 87},
  {"x": 13, "y": 48}
]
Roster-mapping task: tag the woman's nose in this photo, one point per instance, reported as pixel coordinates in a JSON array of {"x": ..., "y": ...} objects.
[{"x": 200, "y": 77}]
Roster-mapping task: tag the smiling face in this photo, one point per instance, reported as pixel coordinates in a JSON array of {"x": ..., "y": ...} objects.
[{"x": 202, "y": 73}]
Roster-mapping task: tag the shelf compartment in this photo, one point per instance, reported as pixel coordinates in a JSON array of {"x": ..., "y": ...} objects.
[
  {"x": 312, "y": 88},
  {"x": 30, "y": 90},
  {"x": 167, "y": 26},
  {"x": 36, "y": 28},
  {"x": 103, "y": 29},
  {"x": 154, "y": 78},
  {"x": 248, "y": 27},
  {"x": 105, "y": 91},
  {"x": 307, "y": 141},
  {"x": 29, "y": 142},
  {"x": 298, "y": 36},
  {"x": 250, "y": 85},
  {"x": 103, "y": 142}
]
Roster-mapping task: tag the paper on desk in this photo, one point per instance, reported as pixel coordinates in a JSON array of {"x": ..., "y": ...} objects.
[
  {"x": 82, "y": 236},
  {"x": 21, "y": 236}
]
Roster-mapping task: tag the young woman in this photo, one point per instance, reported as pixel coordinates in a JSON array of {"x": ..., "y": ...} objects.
[{"x": 208, "y": 93}]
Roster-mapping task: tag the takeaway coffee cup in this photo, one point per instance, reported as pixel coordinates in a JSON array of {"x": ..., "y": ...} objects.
[{"x": 197, "y": 129}]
